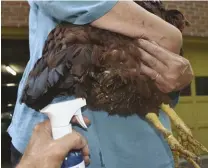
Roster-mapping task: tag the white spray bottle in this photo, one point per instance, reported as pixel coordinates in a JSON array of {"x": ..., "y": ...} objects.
[{"x": 60, "y": 115}]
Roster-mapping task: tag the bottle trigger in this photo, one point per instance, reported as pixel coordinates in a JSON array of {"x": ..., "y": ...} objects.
[{"x": 79, "y": 117}]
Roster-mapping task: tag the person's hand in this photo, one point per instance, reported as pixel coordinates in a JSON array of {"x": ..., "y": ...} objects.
[
  {"x": 42, "y": 151},
  {"x": 171, "y": 72}
]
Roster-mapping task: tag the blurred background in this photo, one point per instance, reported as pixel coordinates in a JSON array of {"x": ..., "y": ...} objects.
[{"x": 193, "y": 104}]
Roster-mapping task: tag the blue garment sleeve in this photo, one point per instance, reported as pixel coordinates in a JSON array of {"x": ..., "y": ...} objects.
[
  {"x": 76, "y": 12},
  {"x": 175, "y": 98}
]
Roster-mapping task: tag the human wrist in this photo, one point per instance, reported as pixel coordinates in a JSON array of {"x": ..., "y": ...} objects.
[{"x": 24, "y": 165}]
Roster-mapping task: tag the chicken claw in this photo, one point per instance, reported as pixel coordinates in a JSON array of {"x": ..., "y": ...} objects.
[
  {"x": 175, "y": 146},
  {"x": 183, "y": 132},
  {"x": 176, "y": 158},
  {"x": 177, "y": 121}
]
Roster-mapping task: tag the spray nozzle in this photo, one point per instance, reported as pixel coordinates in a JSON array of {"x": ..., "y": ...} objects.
[{"x": 60, "y": 114}]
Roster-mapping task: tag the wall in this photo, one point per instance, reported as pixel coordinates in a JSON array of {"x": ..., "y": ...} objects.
[
  {"x": 196, "y": 13},
  {"x": 15, "y": 14}
]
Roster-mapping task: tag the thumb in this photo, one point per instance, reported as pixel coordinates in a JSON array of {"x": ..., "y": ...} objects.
[{"x": 70, "y": 142}]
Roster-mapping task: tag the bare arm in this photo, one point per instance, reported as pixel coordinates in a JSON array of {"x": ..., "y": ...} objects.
[
  {"x": 124, "y": 17},
  {"x": 130, "y": 19}
]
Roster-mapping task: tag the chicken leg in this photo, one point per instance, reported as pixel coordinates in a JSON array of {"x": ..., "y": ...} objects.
[
  {"x": 184, "y": 133},
  {"x": 175, "y": 146},
  {"x": 176, "y": 158}
]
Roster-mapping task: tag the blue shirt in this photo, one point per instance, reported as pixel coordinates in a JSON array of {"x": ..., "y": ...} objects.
[{"x": 114, "y": 142}]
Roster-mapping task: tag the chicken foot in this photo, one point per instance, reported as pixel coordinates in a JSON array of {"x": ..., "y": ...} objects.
[
  {"x": 176, "y": 158},
  {"x": 175, "y": 146},
  {"x": 177, "y": 121},
  {"x": 185, "y": 136}
]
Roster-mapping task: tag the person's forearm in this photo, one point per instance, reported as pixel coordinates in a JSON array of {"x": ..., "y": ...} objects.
[
  {"x": 24, "y": 164},
  {"x": 130, "y": 19}
]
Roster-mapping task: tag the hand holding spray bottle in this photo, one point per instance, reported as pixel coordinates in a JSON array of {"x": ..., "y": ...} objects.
[{"x": 60, "y": 115}]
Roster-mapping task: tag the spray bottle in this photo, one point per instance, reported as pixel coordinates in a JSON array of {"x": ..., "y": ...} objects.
[{"x": 60, "y": 115}]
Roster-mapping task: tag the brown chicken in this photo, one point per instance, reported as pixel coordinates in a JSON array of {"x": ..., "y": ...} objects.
[{"x": 95, "y": 64}]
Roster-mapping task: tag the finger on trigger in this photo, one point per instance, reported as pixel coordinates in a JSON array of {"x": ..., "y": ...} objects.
[
  {"x": 86, "y": 160},
  {"x": 85, "y": 150},
  {"x": 71, "y": 141}
]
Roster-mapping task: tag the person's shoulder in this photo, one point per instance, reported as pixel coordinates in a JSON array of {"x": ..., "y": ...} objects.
[{"x": 32, "y": 4}]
